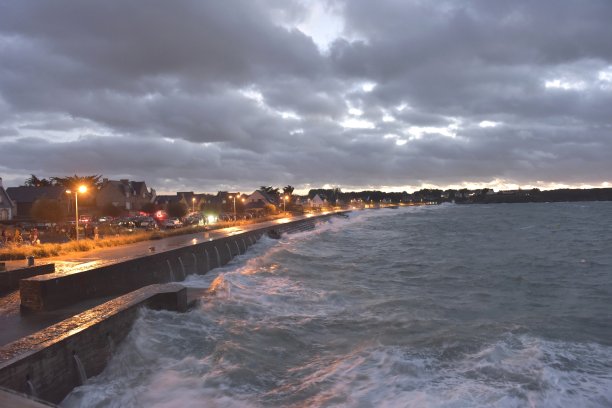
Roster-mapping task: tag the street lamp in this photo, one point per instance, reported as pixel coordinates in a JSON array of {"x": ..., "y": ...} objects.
[
  {"x": 193, "y": 204},
  {"x": 81, "y": 189},
  {"x": 234, "y": 198},
  {"x": 285, "y": 198}
]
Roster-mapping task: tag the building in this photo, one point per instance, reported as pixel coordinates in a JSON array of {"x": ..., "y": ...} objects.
[
  {"x": 163, "y": 200},
  {"x": 221, "y": 202},
  {"x": 24, "y": 198},
  {"x": 7, "y": 207},
  {"x": 259, "y": 199},
  {"x": 129, "y": 195},
  {"x": 317, "y": 201}
]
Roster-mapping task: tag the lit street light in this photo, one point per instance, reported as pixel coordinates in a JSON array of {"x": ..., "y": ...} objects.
[
  {"x": 81, "y": 189},
  {"x": 193, "y": 204},
  {"x": 234, "y": 198},
  {"x": 285, "y": 198}
]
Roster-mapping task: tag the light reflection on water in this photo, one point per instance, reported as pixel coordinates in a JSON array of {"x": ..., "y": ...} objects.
[{"x": 501, "y": 305}]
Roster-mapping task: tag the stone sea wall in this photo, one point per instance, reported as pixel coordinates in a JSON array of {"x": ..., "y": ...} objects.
[
  {"x": 53, "y": 291},
  {"x": 9, "y": 280},
  {"x": 50, "y": 363}
]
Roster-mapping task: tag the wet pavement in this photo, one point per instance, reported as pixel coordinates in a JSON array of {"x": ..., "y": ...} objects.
[
  {"x": 15, "y": 323},
  {"x": 74, "y": 263}
]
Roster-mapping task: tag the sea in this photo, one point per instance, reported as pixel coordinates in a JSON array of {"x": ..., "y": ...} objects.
[{"x": 503, "y": 305}]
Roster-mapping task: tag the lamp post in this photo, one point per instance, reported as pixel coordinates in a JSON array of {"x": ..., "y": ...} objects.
[
  {"x": 81, "y": 189},
  {"x": 285, "y": 198},
  {"x": 234, "y": 198},
  {"x": 193, "y": 204}
]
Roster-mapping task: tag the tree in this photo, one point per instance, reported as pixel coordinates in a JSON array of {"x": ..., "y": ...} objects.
[
  {"x": 288, "y": 190},
  {"x": 269, "y": 190},
  {"x": 111, "y": 210},
  {"x": 47, "y": 210},
  {"x": 177, "y": 210},
  {"x": 149, "y": 208},
  {"x": 73, "y": 182},
  {"x": 34, "y": 181}
]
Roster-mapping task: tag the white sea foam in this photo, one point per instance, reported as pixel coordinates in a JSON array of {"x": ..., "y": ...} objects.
[
  {"x": 517, "y": 371},
  {"x": 514, "y": 372},
  {"x": 391, "y": 308}
]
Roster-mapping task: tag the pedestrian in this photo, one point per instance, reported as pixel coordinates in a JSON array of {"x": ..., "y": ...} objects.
[
  {"x": 34, "y": 236},
  {"x": 17, "y": 238}
]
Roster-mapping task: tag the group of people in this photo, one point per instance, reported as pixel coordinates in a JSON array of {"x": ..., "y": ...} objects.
[
  {"x": 88, "y": 232},
  {"x": 17, "y": 237}
]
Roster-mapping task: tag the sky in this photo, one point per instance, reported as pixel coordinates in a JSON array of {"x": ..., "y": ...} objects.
[{"x": 394, "y": 95}]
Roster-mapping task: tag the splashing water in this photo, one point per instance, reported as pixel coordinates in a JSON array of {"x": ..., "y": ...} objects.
[
  {"x": 170, "y": 271},
  {"x": 80, "y": 368},
  {"x": 446, "y": 306},
  {"x": 182, "y": 267}
]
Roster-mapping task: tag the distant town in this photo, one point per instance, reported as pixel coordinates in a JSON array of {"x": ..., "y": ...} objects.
[{"x": 53, "y": 200}]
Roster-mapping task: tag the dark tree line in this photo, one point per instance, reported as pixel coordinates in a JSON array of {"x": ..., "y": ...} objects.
[{"x": 69, "y": 182}]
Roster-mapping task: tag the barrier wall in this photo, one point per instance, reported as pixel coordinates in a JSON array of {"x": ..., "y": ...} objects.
[
  {"x": 50, "y": 292},
  {"x": 50, "y": 363},
  {"x": 9, "y": 280},
  {"x": 9, "y": 398}
]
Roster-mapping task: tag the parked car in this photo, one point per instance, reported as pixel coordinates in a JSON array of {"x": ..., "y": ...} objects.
[
  {"x": 193, "y": 219},
  {"x": 172, "y": 223},
  {"x": 147, "y": 223},
  {"x": 126, "y": 224},
  {"x": 226, "y": 217}
]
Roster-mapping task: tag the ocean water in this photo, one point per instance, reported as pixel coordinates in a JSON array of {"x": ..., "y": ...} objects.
[{"x": 506, "y": 305}]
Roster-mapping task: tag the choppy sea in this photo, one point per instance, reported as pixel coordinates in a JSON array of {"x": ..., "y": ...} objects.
[{"x": 506, "y": 305}]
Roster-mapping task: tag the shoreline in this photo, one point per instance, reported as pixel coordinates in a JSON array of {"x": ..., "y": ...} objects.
[{"x": 46, "y": 355}]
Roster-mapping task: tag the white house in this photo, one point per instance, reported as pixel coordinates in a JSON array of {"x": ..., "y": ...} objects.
[
  {"x": 317, "y": 201},
  {"x": 259, "y": 199},
  {"x": 7, "y": 207}
]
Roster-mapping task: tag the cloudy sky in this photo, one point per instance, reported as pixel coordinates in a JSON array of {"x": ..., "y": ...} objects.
[{"x": 234, "y": 94}]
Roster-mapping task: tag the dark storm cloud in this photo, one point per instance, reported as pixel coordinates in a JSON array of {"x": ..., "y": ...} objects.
[{"x": 207, "y": 95}]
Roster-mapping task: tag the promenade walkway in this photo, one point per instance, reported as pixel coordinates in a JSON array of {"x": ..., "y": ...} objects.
[
  {"x": 86, "y": 260},
  {"x": 15, "y": 323}
]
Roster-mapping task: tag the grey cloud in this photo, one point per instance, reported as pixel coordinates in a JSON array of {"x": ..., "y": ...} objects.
[
  {"x": 210, "y": 40},
  {"x": 168, "y": 92}
]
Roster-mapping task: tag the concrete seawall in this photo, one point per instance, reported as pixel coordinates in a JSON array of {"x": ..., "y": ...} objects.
[
  {"x": 50, "y": 363},
  {"x": 9, "y": 280},
  {"x": 53, "y": 291}
]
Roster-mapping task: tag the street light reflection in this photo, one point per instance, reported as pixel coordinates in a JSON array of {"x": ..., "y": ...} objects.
[{"x": 233, "y": 230}]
